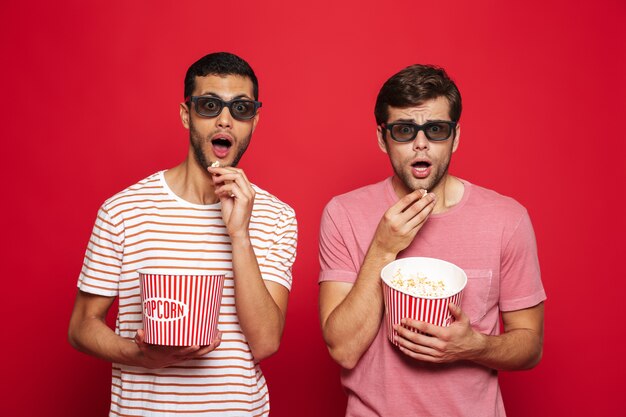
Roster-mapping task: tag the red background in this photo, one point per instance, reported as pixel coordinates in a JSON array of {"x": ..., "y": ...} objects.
[{"x": 90, "y": 97}]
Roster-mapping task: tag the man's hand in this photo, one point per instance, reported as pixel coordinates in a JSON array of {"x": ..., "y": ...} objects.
[
  {"x": 440, "y": 344},
  {"x": 402, "y": 221},
  {"x": 154, "y": 356},
  {"x": 519, "y": 347},
  {"x": 237, "y": 197}
]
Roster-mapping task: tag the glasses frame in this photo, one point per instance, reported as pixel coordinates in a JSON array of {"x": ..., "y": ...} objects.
[
  {"x": 224, "y": 103},
  {"x": 389, "y": 127}
]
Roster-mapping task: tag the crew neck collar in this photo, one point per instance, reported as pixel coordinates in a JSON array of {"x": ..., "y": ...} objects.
[{"x": 180, "y": 200}]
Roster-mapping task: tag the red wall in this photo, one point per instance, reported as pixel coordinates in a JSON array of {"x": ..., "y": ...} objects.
[{"x": 90, "y": 97}]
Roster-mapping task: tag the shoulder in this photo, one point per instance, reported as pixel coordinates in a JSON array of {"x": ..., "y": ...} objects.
[
  {"x": 496, "y": 212},
  {"x": 145, "y": 189},
  {"x": 363, "y": 197},
  {"x": 494, "y": 203},
  {"x": 359, "y": 209}
]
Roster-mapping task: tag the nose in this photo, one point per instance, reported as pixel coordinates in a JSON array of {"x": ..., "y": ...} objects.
[
  {"x": 421, "y": 141},
  {"x": 224, "y": 119}
]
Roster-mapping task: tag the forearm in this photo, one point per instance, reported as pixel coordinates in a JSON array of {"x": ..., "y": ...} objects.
[
  {"x": 354, "y": 323},
  {"x": 91, "y": 335},
  {"x": 261, "y": 319},
  {"x": 514, "y": 350},
  {"x": 519, "y": 347}
]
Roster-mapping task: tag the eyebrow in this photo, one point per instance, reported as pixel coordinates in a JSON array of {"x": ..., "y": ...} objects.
[
  {"x": 211, "y": 94},
  {"x": 413, "y": 121}
]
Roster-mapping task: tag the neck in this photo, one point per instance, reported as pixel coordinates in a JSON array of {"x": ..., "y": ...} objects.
[
  {"x": 449, "y": 192},
  {"x": 191, "y": 183}
]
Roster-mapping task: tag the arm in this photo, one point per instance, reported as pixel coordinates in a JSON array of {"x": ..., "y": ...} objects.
[
  {"x": 350, "y": 314},
  {"x": 89, "y": 333},
  {"x": 519, "y": 347},
  {"x": 261, "y": 305}
]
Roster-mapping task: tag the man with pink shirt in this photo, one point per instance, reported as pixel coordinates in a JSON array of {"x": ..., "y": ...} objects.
[{"x": 443, "y": 371}]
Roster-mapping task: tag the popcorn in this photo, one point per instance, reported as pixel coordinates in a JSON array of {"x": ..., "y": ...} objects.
[
  {"x": 421, "y": 289},
  {"x": 215, "y": 164},
  {"x": 419, "y": 285}
]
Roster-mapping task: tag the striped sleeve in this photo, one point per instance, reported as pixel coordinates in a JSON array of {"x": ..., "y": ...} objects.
[
  {"x": 282, "y": 254},
  {"x": 102, "y": 265}
]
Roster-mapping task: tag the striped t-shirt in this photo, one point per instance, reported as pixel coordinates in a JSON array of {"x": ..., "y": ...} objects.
[{"x": 147, "y": 226}]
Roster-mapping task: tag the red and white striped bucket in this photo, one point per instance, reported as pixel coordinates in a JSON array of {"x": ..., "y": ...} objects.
[
  {"x": 180, "y": 310},
  {"x": 399, "y": 304}
]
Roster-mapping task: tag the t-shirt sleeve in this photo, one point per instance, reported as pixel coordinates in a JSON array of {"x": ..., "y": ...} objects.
[
  {"x": 521, "y": 285},
  {"x": 282, "y": 254},
  {"x": 336, "y": 264},
  {"x": 102, "y": 265}
]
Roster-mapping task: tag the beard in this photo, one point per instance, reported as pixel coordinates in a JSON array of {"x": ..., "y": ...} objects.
[
  {"x": 411, "y": 183},
  {"x": 197, "y": 142}
]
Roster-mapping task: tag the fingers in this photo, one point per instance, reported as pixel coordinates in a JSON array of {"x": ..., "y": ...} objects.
[
  {"x": 140, "y": 337},
  {"x": 233, "y": 190},
  {"x": 406, "y": 201},
  {"x": 236, "y": 176},
  {"x": 196, "y": 352},
  {"x": 411, "y": 205},
  {"x": 417, "y": 345},
  {"x": 223, "y": 175},
  {"x": 419, "y": 212},
  {"x": 420, "y": 346},
  {"x": 184, "y": 352},
  {"x": 457, "y": 313},
  {"x": 412, "y": 216},
  {"x": 420, "y": 331},
  {"x": 232, "y": 182},
  {"x": 206, "y": 349},
  {"x": 228, "y": 173},
  {"x": 418, "y": 205},
  {"x": 419, "y": 356},
  {"x": 157, "y": 356}
]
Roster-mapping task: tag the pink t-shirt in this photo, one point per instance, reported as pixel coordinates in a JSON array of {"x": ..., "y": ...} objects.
[{"x": 491, "y": 237}]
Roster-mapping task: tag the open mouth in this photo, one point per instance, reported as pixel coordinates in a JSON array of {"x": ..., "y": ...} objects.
[
  {"x": 221, "y": 146},
  {"x": 421, "y": 165},
  {"x": 221, "y": 143},
  {"x": 421, "y": 169}
]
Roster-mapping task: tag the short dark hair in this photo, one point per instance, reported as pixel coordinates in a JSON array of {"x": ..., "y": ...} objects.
[
  {"x": 219, "y": 63},
  {"x": 414, "y": 85}
]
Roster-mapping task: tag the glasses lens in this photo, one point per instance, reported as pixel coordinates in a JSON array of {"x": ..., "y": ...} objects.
[
  {"x": 437, "y": 130},
  {"x": 208, "y": 106},
  {"x": 243, "y": 109},
  {"x": 403, "y": 132}
]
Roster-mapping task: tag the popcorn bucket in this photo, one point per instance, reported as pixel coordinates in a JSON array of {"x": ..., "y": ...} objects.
[
  {"x": 421, "y": 289},
  {"x": 180, "y": 310}
]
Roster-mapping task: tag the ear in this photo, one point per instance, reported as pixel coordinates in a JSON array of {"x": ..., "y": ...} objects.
[
  {"x": 255, "y": 120},
  {"x": 382, "y": 144},
  {"x": 457, "y": 137},
  {"x": 184, "y": 115}
]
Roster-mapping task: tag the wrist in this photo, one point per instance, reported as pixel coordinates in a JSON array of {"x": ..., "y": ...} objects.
[
  {"x": 240, "y": 239},
  {"x": 479, "y": 346},
  {"x": 131, "y": 354},
  {"x": 379, "y": 251}
]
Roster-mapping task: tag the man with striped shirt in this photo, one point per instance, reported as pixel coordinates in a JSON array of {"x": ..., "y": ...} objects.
[{"x": 205, "y": 217}]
